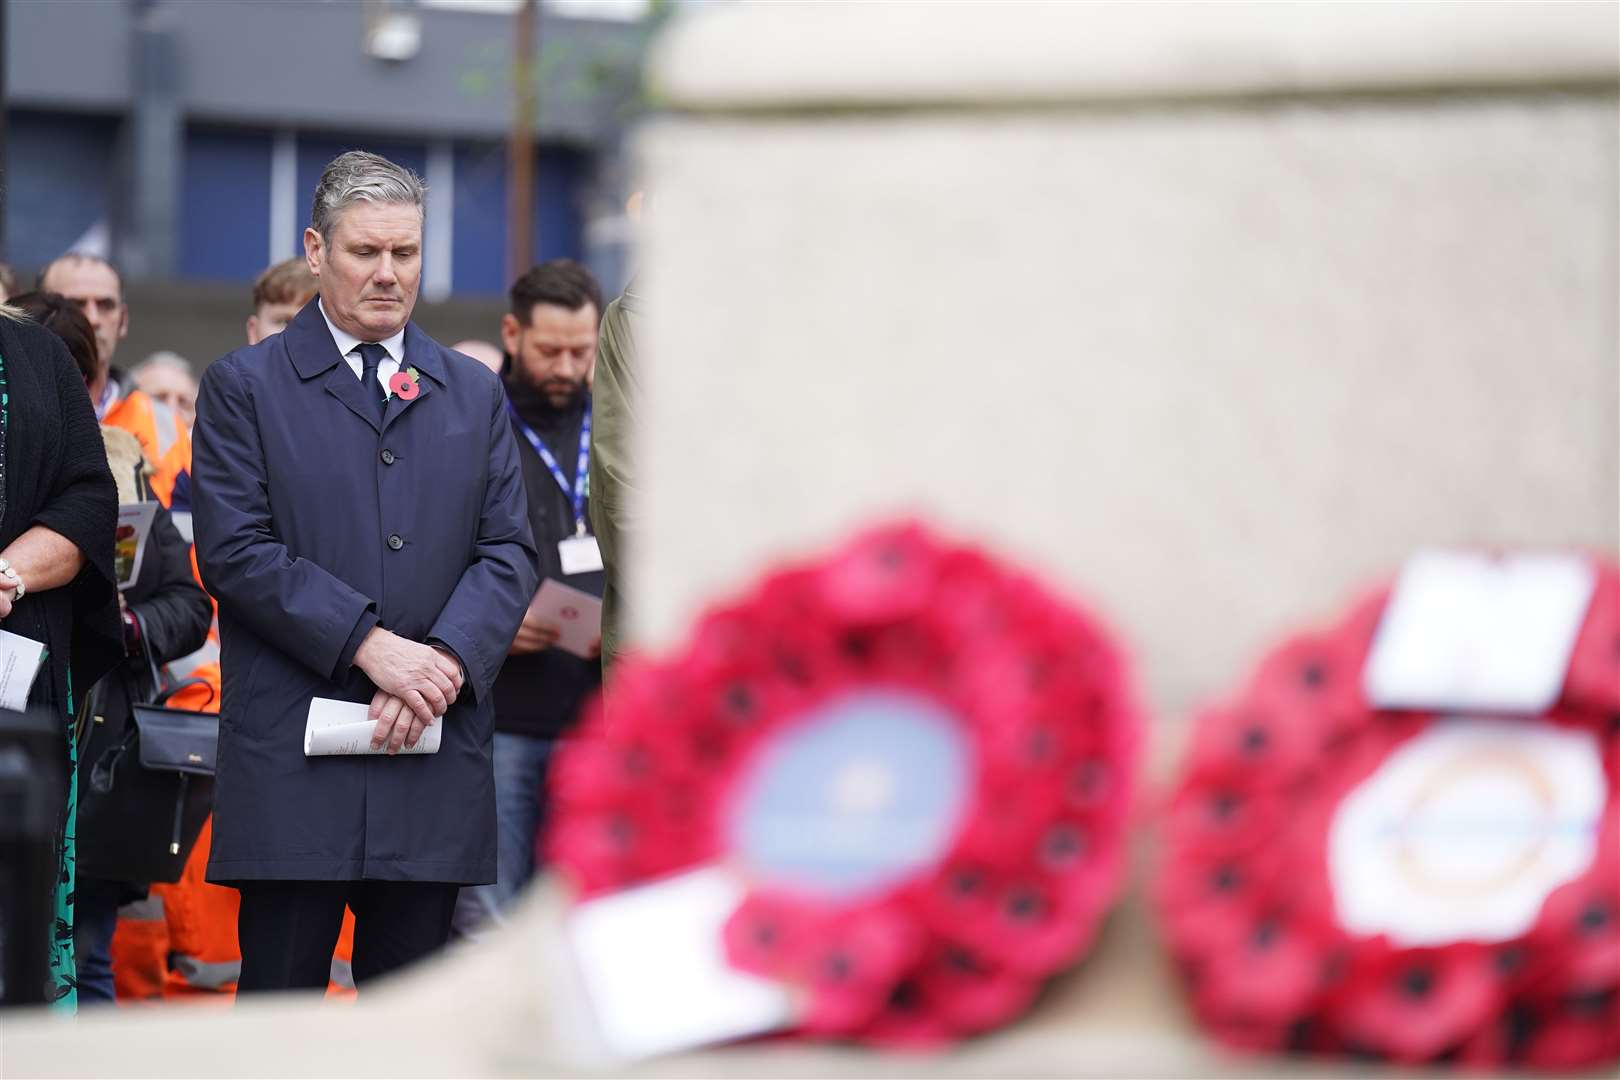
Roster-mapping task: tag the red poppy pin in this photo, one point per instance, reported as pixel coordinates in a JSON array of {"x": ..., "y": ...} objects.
[{"x": 407, "y": 384}]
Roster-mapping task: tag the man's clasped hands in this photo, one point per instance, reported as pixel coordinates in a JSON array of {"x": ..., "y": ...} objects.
[{"x": 416, "y": 684}]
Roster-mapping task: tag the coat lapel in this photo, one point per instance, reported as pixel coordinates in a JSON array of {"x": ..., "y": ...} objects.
[
  {"x": 424, "y": 356},
  {"x": 313, "y": 353},
  {"x": 341, "y": 384}
]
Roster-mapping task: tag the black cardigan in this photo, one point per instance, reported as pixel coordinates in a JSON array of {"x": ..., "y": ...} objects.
[{"x": 56, "y": 475}]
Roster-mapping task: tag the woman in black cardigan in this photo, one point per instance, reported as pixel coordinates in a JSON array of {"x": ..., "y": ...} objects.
[{"x": 58, "y": 513}]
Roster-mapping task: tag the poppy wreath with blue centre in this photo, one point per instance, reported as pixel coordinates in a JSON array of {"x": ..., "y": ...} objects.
[
  {"x": 1246, "y": 892},
  {"x": 1037, "y": 692}
]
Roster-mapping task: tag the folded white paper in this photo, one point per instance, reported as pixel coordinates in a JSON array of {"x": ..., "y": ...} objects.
[
  {"x": 345, "y": 727},
  {"x": 655, "y": 971},
  {"x": 20, "y": 660},
  {"x": 577, "y": 614}
]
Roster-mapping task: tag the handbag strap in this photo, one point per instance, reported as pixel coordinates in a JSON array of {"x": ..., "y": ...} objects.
[
  {"x": 146, "y": 649},
  {"x": 103, "y": 771},
  {"x": 85, "y": 720},
  {"x": 161, "y": 694}
]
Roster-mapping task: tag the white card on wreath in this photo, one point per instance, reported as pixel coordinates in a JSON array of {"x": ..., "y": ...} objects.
[
  {"x": 1469, "y": 631},
  {"x": 654, "y": 967}
]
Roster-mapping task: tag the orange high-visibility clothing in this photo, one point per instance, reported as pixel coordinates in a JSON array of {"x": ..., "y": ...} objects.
[
  {"x": 164, "y": 440},
  {"x": 202, "y": 664},
  {"x": 140, "y": 951}
]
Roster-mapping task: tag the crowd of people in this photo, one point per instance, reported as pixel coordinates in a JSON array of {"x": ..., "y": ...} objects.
[{"x": 342, "y": 509}]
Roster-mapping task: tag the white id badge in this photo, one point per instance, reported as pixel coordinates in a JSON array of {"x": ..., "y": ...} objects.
[{"x": 580, "y": 555}]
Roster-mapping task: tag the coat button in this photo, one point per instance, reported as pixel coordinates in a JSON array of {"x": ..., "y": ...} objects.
[
  {"x": 388, "y": 457},
  {"x": 396, "y": 542}
]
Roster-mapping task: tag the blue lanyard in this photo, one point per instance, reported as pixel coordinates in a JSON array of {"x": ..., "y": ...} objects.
[{"x": 581, "y": 475}]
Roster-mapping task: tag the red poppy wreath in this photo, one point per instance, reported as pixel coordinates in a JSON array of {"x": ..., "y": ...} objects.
[
  {"x": 917, "y": 760},
  {"x": 1402, "y": 885}
]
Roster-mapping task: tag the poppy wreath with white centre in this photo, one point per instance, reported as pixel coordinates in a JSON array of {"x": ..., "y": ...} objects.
[
  {"x": 1035, "y": 691},
  {"x": 1251, "y": 899}
]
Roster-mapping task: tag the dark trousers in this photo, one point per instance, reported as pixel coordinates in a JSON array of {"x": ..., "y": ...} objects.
[
  {"x": 287, "y": 929},
  {"x": 521, "y": 764},
  {"x": 95, "y": 917}
]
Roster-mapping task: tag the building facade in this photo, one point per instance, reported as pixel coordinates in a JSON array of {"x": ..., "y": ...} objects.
[{"x": 183, "y": 139}]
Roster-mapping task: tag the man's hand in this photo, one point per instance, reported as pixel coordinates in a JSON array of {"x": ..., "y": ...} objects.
[
  {"x": 424, "y": 679},
  {"x": 7, "y": 596},
  {"x": 397, "y": 725},
  {"x": 454, "y": 661},
  {"x": 534, "y": 634}
]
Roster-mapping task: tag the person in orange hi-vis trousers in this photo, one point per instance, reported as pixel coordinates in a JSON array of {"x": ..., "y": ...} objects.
[{"x": 181, "y": 941}]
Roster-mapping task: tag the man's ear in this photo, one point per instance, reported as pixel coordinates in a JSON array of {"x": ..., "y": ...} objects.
[
  {"x": 510, "y": 330},
  {"x": 314, "y": 251},
  {"x": 253, "y": 329}
]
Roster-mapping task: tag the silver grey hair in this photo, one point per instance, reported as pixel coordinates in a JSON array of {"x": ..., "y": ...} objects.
[
  {"x": 165, "y": 358},
  {"x": 360, "y": 176}
]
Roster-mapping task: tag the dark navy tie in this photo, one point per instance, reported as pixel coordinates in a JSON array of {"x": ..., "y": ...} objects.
[{"x": 371, "y": 355}]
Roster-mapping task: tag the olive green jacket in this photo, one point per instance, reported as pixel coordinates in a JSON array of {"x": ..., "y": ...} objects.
[{"x": 613, "y": 476}]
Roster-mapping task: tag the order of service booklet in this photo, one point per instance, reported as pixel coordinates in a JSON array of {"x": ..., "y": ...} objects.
[
  {"x": 20, "y": 661},
  {"x": 345, "y": 727},
  {"x": 576, "y": 614},
  {"x": 129, "y": 542}
]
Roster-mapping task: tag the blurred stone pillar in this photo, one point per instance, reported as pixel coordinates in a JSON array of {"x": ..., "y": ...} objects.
[{"x": 1213, "y": 311}]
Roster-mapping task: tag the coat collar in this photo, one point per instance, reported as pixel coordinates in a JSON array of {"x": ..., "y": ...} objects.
[
  {"x": 347, "y": 342},
  {"x": 312, "y": 350}
]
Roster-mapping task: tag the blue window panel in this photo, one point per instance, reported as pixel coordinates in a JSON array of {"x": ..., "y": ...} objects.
[
  {"x": 478, "y": 263},
  {"x": 559, "y": 226},
  {"x": 59, "y": 172},
  {"x": 315, "y": 152},
  {"x": 225, "y": 201},
  {"x": 478, "y": 256}
]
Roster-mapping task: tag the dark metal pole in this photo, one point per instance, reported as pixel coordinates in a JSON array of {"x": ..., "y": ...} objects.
[
  {"x": 156, "y": 143},
  {"x": 520, "y": 143}
]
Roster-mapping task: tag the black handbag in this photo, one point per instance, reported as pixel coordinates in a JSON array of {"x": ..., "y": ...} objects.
[{"x": 150, "y": 792}]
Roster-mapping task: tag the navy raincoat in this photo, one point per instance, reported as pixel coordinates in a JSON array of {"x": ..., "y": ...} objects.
[{"x": 316, "y": 518}]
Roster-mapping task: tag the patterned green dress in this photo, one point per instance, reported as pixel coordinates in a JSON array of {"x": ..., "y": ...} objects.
[{"x": 63, "y": 969}]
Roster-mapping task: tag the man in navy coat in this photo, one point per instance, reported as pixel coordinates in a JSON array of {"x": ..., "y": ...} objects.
[{"x": 360, "y": 517}]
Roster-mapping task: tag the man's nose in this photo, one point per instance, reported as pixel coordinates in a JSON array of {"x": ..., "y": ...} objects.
[{"x": 385, "y": 270}]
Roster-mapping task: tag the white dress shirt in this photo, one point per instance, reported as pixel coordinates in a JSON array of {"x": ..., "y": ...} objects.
[{"x": 349, "y": 346}]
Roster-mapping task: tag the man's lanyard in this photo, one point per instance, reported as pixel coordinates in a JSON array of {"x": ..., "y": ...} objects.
[{"x": 581, "y": 476}]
